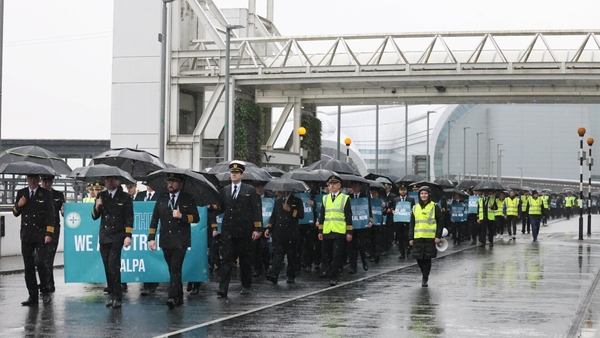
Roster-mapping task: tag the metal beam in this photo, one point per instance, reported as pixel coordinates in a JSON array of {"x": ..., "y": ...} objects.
[{"x": 277, "y": 130}]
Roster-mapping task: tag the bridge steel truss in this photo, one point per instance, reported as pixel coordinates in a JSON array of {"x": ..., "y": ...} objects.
[{"x": 405, "y": 68}]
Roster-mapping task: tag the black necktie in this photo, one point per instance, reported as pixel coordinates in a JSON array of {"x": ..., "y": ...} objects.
[
  {"x": 234, "y": 194},
  {"x": 31, "y": 195},
  {"x": 172, "y": 202}
]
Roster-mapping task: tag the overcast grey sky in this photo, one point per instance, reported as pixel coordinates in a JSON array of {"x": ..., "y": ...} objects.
[{"x": 58, "y": 54}]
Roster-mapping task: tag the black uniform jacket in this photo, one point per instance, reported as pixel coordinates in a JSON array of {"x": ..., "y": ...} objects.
[
  {"x": 175, "y": 233},
  {"x": 242, "y": 215},
  {"x": 59, "y": 199},
  {"x": 37, "y": 215},
  {"x": 117, "y": 216},
  {"x": 141, "y": 196},
  {"x": 284, "y": 224}
]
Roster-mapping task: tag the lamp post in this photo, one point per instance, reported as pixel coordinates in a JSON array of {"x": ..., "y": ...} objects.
[
  {"x": 448, "y": 164},
  {"x": 347, "y": 142},
  {"x": 478, "y": 156},
  {"x": 489, "y": 157},
  {"x": 590, "y": 162},
  {"x": 465, "y": 151},
  {"x": 500, "y": 166},
  {"x": 301, "y": 132},
  {"x": 163, "y": 80},
  {"x": 427, "y": 145},
  {"x": 521, "y": 168},
  {"x": 498, "y": 162},
  {"x": 226, "y": 152},
  {"x": 581, "y": 133}
]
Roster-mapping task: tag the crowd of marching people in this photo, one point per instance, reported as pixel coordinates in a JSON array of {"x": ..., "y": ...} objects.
[{"x": 320, "y": 224}]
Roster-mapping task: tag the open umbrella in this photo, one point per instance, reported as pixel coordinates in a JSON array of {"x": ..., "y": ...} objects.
[
  {"x": 195, "y": 184},
  {"x": 223, "y": 167},
  {"x": 444, "y": 183},
  {"x": 410, "y": 179},
  {"x": 136, "y": 162},
  {"x": 376, "y": 184},
  {"x": 319, "y": 175},
  {"x": 347, "y": 180},
  {"x": 95, "y": 173},
  {"x": 489, "y": 185},
  {"x": 27, "y": 168},
  {"x": 335, "y": 165},
  {"x": 286, "y": 184},
  {"x": 37, "y": 155},
  {"x": 383, "y": 179},
  {"x": 274, "y": 171},
  {"x": 456, "y": 191},
  {"x": 467, "y": 184},
  {"x": 250, "y": 174}
]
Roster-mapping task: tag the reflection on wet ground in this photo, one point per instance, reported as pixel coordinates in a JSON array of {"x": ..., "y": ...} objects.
[{"x": 521, "y": 289}]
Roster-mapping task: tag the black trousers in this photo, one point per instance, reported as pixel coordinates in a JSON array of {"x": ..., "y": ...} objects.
[
  {"x": 52, "y": 246},
  {"x": 174, "y": 259},
  {"x": 488, "y": 226},
  {"x": 260, "y": 255},
  {"x": 359, "y": 244},
  {"x": 500, "y": 222},
  {"x": 232, "y": 248},
  {"x": 425, "y": 266},
  {"x": 308, "y": 244},
  {"x": 283, "y": 248},
  {"x": 459, "y": 231},
  {"x": 402, "y": 233},
  {"x": 473, "y": 226},
  {"x": 376, "y": 242},
  {"x": 111, "y": 258},
  {"x": 525, "y": 222},
  {"x": 333, "y": 255},
  {"x": 214, "y": 256},
  {"x": 36, "y": 255},
  {"x": 511, "y": 225}
]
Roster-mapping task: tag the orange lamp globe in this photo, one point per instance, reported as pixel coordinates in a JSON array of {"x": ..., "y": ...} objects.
[
  {"x": 590, "y": 141},
  {"x": 301, "y": 131},
  {"x": 348, "y": 141},
  {"x": 581, "y": 131}
]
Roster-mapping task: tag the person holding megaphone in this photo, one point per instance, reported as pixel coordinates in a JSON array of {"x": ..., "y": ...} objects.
[{"x": 425, "y": 231}]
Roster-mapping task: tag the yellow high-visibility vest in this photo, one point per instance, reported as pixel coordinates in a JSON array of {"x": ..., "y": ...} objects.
[
  {"x": 512, "y": 206},
  {"x": 335, "y": 220},
  {"x": 425, "y": 225},
  {"x": 535, "y": 206},
  {"x": 491, "y": 213},
  {"x": 500, "y": 207}
]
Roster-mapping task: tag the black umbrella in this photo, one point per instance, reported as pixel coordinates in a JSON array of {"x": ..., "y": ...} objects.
[
  {"x": 515, "y": 187},
  {"x": 27, "y": 168},
  {"x": 37, "y": 155},
  {"x": 410, "y": 179},
  {"x": 195, "y": 184},
  {"x": 274, "y": 171},
  {"x": 335, "y": 165},
  {"x": 444, "y": 183},
  {"x": 456, "y": 191},
  {"x": 489, "y": 185},
  {"x": 286, "y": 184},
  {"x": 376, "y": 184},
  {"x": 319, "y": 175},
  {"x": 467, "y": 184},
  {"x": 95, "y": 173},
  {"x": 136, "y": 162},
  {"x": 347, "y": 180},
  {"x": 223, "y": 167},
  {"x": 383, "y": 179}
]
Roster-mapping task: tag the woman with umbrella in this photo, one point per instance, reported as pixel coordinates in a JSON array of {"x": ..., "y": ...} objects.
[{"x": 425, "y": 232}]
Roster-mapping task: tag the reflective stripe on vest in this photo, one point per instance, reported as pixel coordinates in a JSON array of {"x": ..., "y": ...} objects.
[
  {"x": 425, "y": 225},
  {"x": 545, "y": 200},
  {"x": 512, "y": 206},
  {"x": 500, "y": 207},
  {"x": 490, "y": 212},
  {"x": 335, "y": 220},
  {"x": 535, "y": 206}
]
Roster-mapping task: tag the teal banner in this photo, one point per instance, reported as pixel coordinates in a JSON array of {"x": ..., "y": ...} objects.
[
  {"x": 360, "y": 212},
  {"x": 377, "y": 211},
  {"x": 219, "y": 222},
  {"x": 267, "y": 210},
  {"x": 473, "y": 204},
  {"x": 414, "y": 195},
  {"x": 309, "y": 217},
  {"x": 402, "y": 212},
  {"x": 83, "y": 263},
  {"x": 458, "y": 212}
]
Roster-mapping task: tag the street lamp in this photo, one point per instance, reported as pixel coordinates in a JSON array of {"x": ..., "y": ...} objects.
[
  {"x": 521, "y": 168},
  {"x": 301, "y": 132},
  {"x": 581, "y": 133},
  {"x": 498, "y": 162},
  {"x": 163, "y": 86},
  {"x": 347, "y": 142},
  {"x": 489, "y": 157},
  {"x": 448, "y": 164},
  {"x": 478, "y": 156},
  {"x": 226, "y": 152},
  {"x": 465, "y": 151},
  {"x": 427, "y": 159},
  {"x": 590, "y": 162},
  {"x": 500, "y": 165}
]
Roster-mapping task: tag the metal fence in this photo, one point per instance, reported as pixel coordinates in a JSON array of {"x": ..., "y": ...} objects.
[{"x": 74, "y": 190}]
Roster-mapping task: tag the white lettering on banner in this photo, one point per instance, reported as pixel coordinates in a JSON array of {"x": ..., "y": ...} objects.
[
  {"x": 138, "y": 242},
  {"x": 83, "y": 243},
  {"x": 142, "y": 220},
  {"x": 132, "y": 265},
  {"x": 360, "y": 218}
]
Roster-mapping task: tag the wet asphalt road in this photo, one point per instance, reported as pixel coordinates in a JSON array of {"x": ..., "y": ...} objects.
[{"x": 521, "y": 289}]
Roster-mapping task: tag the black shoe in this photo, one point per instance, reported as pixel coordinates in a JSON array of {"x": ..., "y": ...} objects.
[
  {"x": 272, "y": 279},
  {"x": 116, "y": 304},
  {"x": 491, "y": 244},
  {"x": 124, "y": 287},
  {"x": 352, "y": 271},
  {"x": 377, "y": 259},
  {"x": 189, "y": 287},
  {"x": 179, "y": 301},
  {"x": 307, "y": 269},
  {"x": 424, "y": 282},
  {"x": 402, "y": 257},
  {"x": 110, "y": 303},
  {"x": 46, "y": 298},
  {"x": 52, "y": 289},
  {"x": 482, "y": 245},
  {"x": 473, "y": 242},
  {"x": 107, "y": 290},
  {"x": 291, "y": 280},
  {"x": 372, "y": 259},
  {"x": 333, "y": 282},
  {"x": 171, "y": 303},
  {"x": 195, "y": 291},
  {"x": 222, "y": 294},
  {"x": 323, "y": 274},
  {"x": 365, "y": 266},
  {"x": 30, "y": 302},
  {"x": 245, "y": 291}
]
